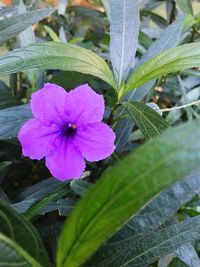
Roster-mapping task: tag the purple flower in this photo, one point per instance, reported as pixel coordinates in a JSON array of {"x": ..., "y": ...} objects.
[{"x": 66, "y": 130}]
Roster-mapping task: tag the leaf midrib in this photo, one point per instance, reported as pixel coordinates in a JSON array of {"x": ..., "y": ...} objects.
[{"x": 103, "y": 208}]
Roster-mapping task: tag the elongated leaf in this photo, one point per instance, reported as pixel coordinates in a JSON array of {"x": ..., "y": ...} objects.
[
  {"x": 173, "y": 60},
  {"x": 125, "y": 188},
  {"x": 148, "y": 121},
  {"x": 124, "y": 31},
  {"x": 11, "y": 254},
  {"x": 150, "y": 248},
  {"x": 26, "y": 38},
  {"x": 14, "y": 226},
  {"x": 185, "y": 6},
  {"x": 149, "y": 219},
  {"x": 80, "y": 186},
  {"x": 37, "y": 192},
  {"x": 63, "y": 206},
  {"x": 11, "y": 26},
  {"x": 188, "y": 255},
  {"x": 12, "y": 119},
  {"x": 7, "y": 11},
  {"x": 167, "y": 39},
  {"x": 52, "y": 55}
]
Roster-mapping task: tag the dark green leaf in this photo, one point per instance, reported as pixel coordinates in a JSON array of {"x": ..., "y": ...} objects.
[
  {"x": 148, "y": 121},
  {"x": 125, "y": 188},
  {"x": 159, "y": 20},
  {"x": 173, "y": 60},
  {"x": 11, "y": 26},
  {"x": 6, "y": 100},
  {"x": 149, "y": 219},
  {"x": 124, "y": 31},
  {"x": 149, "y": 248},
  {"x": 36, "y": 192},
  {"x": 11, "y": 254},
  {"x": 33, "y": 212},
  {"x": 12, "y": 119},
  {"x": 80, "y": 186},
  {"x": 52, "y": 55},
  {"x": 4, "y": 165},
  {"x": 70, "y": 79},
  {"x": 63, "y": 206},
  {"x": 15, "y": 226}
]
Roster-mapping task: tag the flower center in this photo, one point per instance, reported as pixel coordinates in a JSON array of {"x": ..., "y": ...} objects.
[{"x": 70, "y": 130}]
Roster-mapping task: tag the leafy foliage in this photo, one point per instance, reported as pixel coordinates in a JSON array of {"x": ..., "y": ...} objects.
[
  {"x": 57, "y": 56},
  {"x": 149, "y": 121},
  {"x": 144, "y": 58},
  {"x": 16, "y": 227},
  {"x": 121, "y": 199}
]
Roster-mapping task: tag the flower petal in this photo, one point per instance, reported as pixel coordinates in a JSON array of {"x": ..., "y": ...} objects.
[
  {"x": 47, "y": 104},
  {"x": 84, "y": 105},
  {"x": 37, "y": 140},
  {"x": 66, "y": 162},
  {"x": 95, "y": 141}
]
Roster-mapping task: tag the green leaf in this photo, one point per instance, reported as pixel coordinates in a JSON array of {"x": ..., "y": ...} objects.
[
  {"x": 6, "y": 98},
  {"x": 12, "y": 119},
  {"x": 4, "y": 165},
  {"x": 72, "y": 79},
  {"x": 125, "y": 188},
  {"x": 11, "y": 26},
  {"x": 124, "y": 31},
  {"x": 149, "y": 219},
  {"x": 149, "y": 248},
  {"x": 79, "y": 187},
  {"x": 185, "y": 6},
  {"x": 26, "y": 38},
  {"x": 52, "y": 34},
  {"x": 148, "y": 120},
  {"x": 52, "y": 55},
  {"x": 38, "y": 192},
  {"x": 166, "y": 40},
  {"x": 33, "y": 212},
  {"x": 16, "y": 227},
  {"x": 63, "y": 206},
  {"x": 173, "y": 60},
  {"x": 11, "y": 254}
]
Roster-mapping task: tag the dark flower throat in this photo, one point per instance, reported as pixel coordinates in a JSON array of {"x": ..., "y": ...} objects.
[{"x": 70, "y": 130}]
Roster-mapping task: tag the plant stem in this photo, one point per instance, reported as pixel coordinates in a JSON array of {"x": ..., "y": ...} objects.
[
  {"x": 180, "y": 107},
  {"x": 173, "y": 13}
]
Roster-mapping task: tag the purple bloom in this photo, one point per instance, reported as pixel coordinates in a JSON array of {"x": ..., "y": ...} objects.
[{"x": 66, "y": 130}]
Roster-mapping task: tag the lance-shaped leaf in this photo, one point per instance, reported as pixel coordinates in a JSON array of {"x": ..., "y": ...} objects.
[
  {"x": 11, "y": 254},
  {"x": 185, "y": 5},
  {"x": 11, "y": 26},
  {"x": 52, "y": 55},
  {"x": 125, "y": 188},
  {"x": 149, "y": 219},
  {"x": 148, "y": 120},
  {"x": 149, "y": 248},
  {"x": 168, "y": 39},
  {"x": 173, "y": 60},
  {"x": 14, "y": 226},
  {"x": 188, "y": 255},
  {"x": 12, "y": 119},
  {"x": 124, "y": 30}
]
